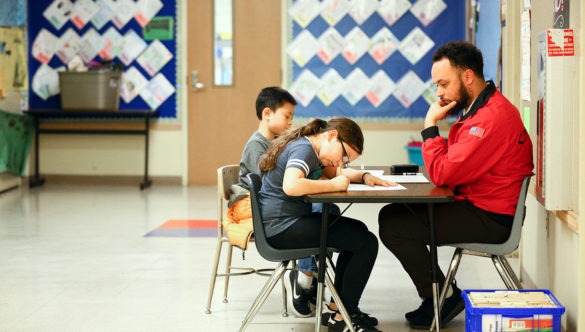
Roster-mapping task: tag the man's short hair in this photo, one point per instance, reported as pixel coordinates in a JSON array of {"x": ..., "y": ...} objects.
[
  {"x": 272, "y": 97},
  {"x": 462, "y": 55}
]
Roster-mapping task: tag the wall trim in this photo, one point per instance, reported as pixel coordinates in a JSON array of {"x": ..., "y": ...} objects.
[{"x": 109, "y": 180}]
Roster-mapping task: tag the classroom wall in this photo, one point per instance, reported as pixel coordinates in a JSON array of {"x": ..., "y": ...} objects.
[{"x": 552, "y": 243}]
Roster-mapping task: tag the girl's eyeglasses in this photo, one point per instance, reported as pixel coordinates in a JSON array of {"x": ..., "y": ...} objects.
[{"x": 345, "y": 159}]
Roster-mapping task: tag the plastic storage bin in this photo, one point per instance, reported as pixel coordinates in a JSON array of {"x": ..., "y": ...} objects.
[
  {"x": 91, "y": 90},
  {"x": 415, "y": 155},
  {"x": 515, "y": 315}
]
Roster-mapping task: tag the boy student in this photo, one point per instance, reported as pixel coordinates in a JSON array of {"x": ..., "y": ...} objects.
[
  {"x": 484, "y": 161},
  {"x": 275, "y": 108},
  {"x": 309, "y": 160}
]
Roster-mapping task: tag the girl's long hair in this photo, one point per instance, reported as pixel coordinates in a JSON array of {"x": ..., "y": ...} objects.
[{"x": 347, "y": 131}]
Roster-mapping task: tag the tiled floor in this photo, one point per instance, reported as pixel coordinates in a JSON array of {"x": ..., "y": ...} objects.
[{"x": 75, "y": 258}]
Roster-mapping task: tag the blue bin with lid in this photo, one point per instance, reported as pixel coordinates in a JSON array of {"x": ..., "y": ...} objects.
[
  {"x": 415, "y": 155},
  {"x": 515, "y": 314}
]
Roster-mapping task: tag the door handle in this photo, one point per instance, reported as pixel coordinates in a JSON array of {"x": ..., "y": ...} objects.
[{"x": 195, "y": 84}]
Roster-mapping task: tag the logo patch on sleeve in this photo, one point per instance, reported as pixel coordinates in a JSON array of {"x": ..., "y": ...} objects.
[{"x": 476, "y": 131}]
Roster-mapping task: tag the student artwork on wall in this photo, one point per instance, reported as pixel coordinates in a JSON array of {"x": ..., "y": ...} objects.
[
  {"x": 367, "y": 59},
  {"x": 92, "y": 32}
]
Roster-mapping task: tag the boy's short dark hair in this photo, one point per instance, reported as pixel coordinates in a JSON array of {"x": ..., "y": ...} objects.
[
  {"x": 462, "y": 55},
  {"x": 272, "y": 97}
]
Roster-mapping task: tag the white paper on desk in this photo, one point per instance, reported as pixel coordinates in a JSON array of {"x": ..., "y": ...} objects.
[
  {"x": 417, "y": 178},
  {"x": 363, "y": 187}
]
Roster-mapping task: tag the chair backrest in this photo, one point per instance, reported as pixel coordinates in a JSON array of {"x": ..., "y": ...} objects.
[
  {"x": 513, "y": 240},
  {"x": 264, "y": 248},
  {"x": 226, "y": 177}
]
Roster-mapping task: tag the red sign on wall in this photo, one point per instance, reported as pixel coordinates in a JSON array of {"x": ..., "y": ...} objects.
[{"x": 560, "y": 42}]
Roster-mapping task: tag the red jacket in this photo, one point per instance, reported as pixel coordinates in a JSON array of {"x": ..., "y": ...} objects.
[{"x": 487, "y": 155}]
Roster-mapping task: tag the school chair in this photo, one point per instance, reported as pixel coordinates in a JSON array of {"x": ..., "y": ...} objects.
[
  {"x": 226, "y": 177},
  {"x": 284, "y": 258},
  {"x": 496, "y": 251}
]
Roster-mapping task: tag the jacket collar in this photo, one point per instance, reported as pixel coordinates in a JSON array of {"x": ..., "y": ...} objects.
[{"x": 483, "y": 97}]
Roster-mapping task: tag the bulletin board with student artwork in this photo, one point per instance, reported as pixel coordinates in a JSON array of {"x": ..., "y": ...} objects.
[
  {"x": 369, "y": 59},
  {"x": 139, "y": 36}
]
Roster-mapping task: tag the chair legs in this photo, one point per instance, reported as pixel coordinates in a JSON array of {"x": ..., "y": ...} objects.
[
  {"x": 231, "y": 271},
  {"x": 268, "y": 286},
  {"x": 213, "y": 276},
  {"x": 278, "y": 274},
  {"x": 506, "y": 272},
  {"x": 500, "y": 262},
  {"x": 453, "y": 266}
]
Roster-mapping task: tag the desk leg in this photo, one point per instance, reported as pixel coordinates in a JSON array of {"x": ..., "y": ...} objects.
[
  {"x": 322, "y": 266},
  {"x": 434, "y": 263},
  {"x": 146, "y": 182},
  {"x": 36, "y": 181}
]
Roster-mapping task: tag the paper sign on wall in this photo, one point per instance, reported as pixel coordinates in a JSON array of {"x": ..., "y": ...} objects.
[{"x": 560, "y": 42}]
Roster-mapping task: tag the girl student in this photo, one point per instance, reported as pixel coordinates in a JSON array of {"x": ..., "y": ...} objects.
[{"x": 313, "y": 159}]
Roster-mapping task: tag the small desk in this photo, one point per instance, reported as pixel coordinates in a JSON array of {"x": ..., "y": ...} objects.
[
  {"x": 416, "y": 193},
  {"x": 43, "y": 113}
]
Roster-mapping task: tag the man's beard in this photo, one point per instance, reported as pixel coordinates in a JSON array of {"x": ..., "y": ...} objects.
[{"x": 462, "y": 103}]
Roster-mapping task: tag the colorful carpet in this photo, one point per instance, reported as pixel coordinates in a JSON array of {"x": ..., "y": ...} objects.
[{"x": 186, "y": 228}]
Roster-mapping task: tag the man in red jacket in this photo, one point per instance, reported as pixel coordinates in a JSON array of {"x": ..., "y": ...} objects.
[{"x": 484, "y": 161}]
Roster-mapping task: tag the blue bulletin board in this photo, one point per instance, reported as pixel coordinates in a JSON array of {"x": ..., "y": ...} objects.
[
  {"x": 368, "y": 60},
  {"x": 40, "y": 25}
]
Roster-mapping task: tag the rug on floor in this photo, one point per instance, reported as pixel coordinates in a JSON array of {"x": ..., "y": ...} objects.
[{"x": 186, "y": 228}]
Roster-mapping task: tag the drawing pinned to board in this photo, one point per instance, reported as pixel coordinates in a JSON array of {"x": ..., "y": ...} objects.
[
  {"x": 43, "y": 48},
  {"x": 91, "y": 44},
  {"x": 133, "y": 46},
  {"x": 392, "y": 10},
  {"x": 69, "y": 45},
  {"x": 103, "y": 16},
  {"x": 330, "y": 45},
  {"x": 356, "y": 86},
  {"x": 45, "y": 82},
  {"x": 384, "y": 43},
  {"x": 333, "y": 11},
  {"x": 305, "y": 87},
  {"x": 146, "y": 10},
  {"x": 426, "y": 11},
  {"x": 331, "y": 88},
  {"x": 304, "y": 11},
  {"x": 360, "y": 11},
  {"x": 303, "y": 48},
  {"x": 83, "y": 11},
  {"x": 132, "y": 84},
  {"x": 357, "y": 44},
  {"x": 124, "y": 11},
  {"x": 154, "y": 57},
  {"x": 114, "y": 44},
  {"x": 58, "y": 13},
  {"x": 415, "y": 45},
  {"x": 381, "y": 87},
  {"x": 409, "y": 88},
  {"x": 157, "y": 91}
]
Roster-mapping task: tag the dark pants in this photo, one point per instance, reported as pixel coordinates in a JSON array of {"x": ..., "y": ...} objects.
[
  {"x": 358, "y": 250},
  {"x": 404, "y": 230}
]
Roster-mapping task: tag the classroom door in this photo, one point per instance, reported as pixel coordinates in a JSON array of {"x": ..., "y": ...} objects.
[{"x": 222, "y": 118}]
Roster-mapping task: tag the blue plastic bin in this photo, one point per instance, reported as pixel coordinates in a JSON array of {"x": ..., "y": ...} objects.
[
  {"x": 503, "y": 319},
  {"x": 415, "y": 155}
]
